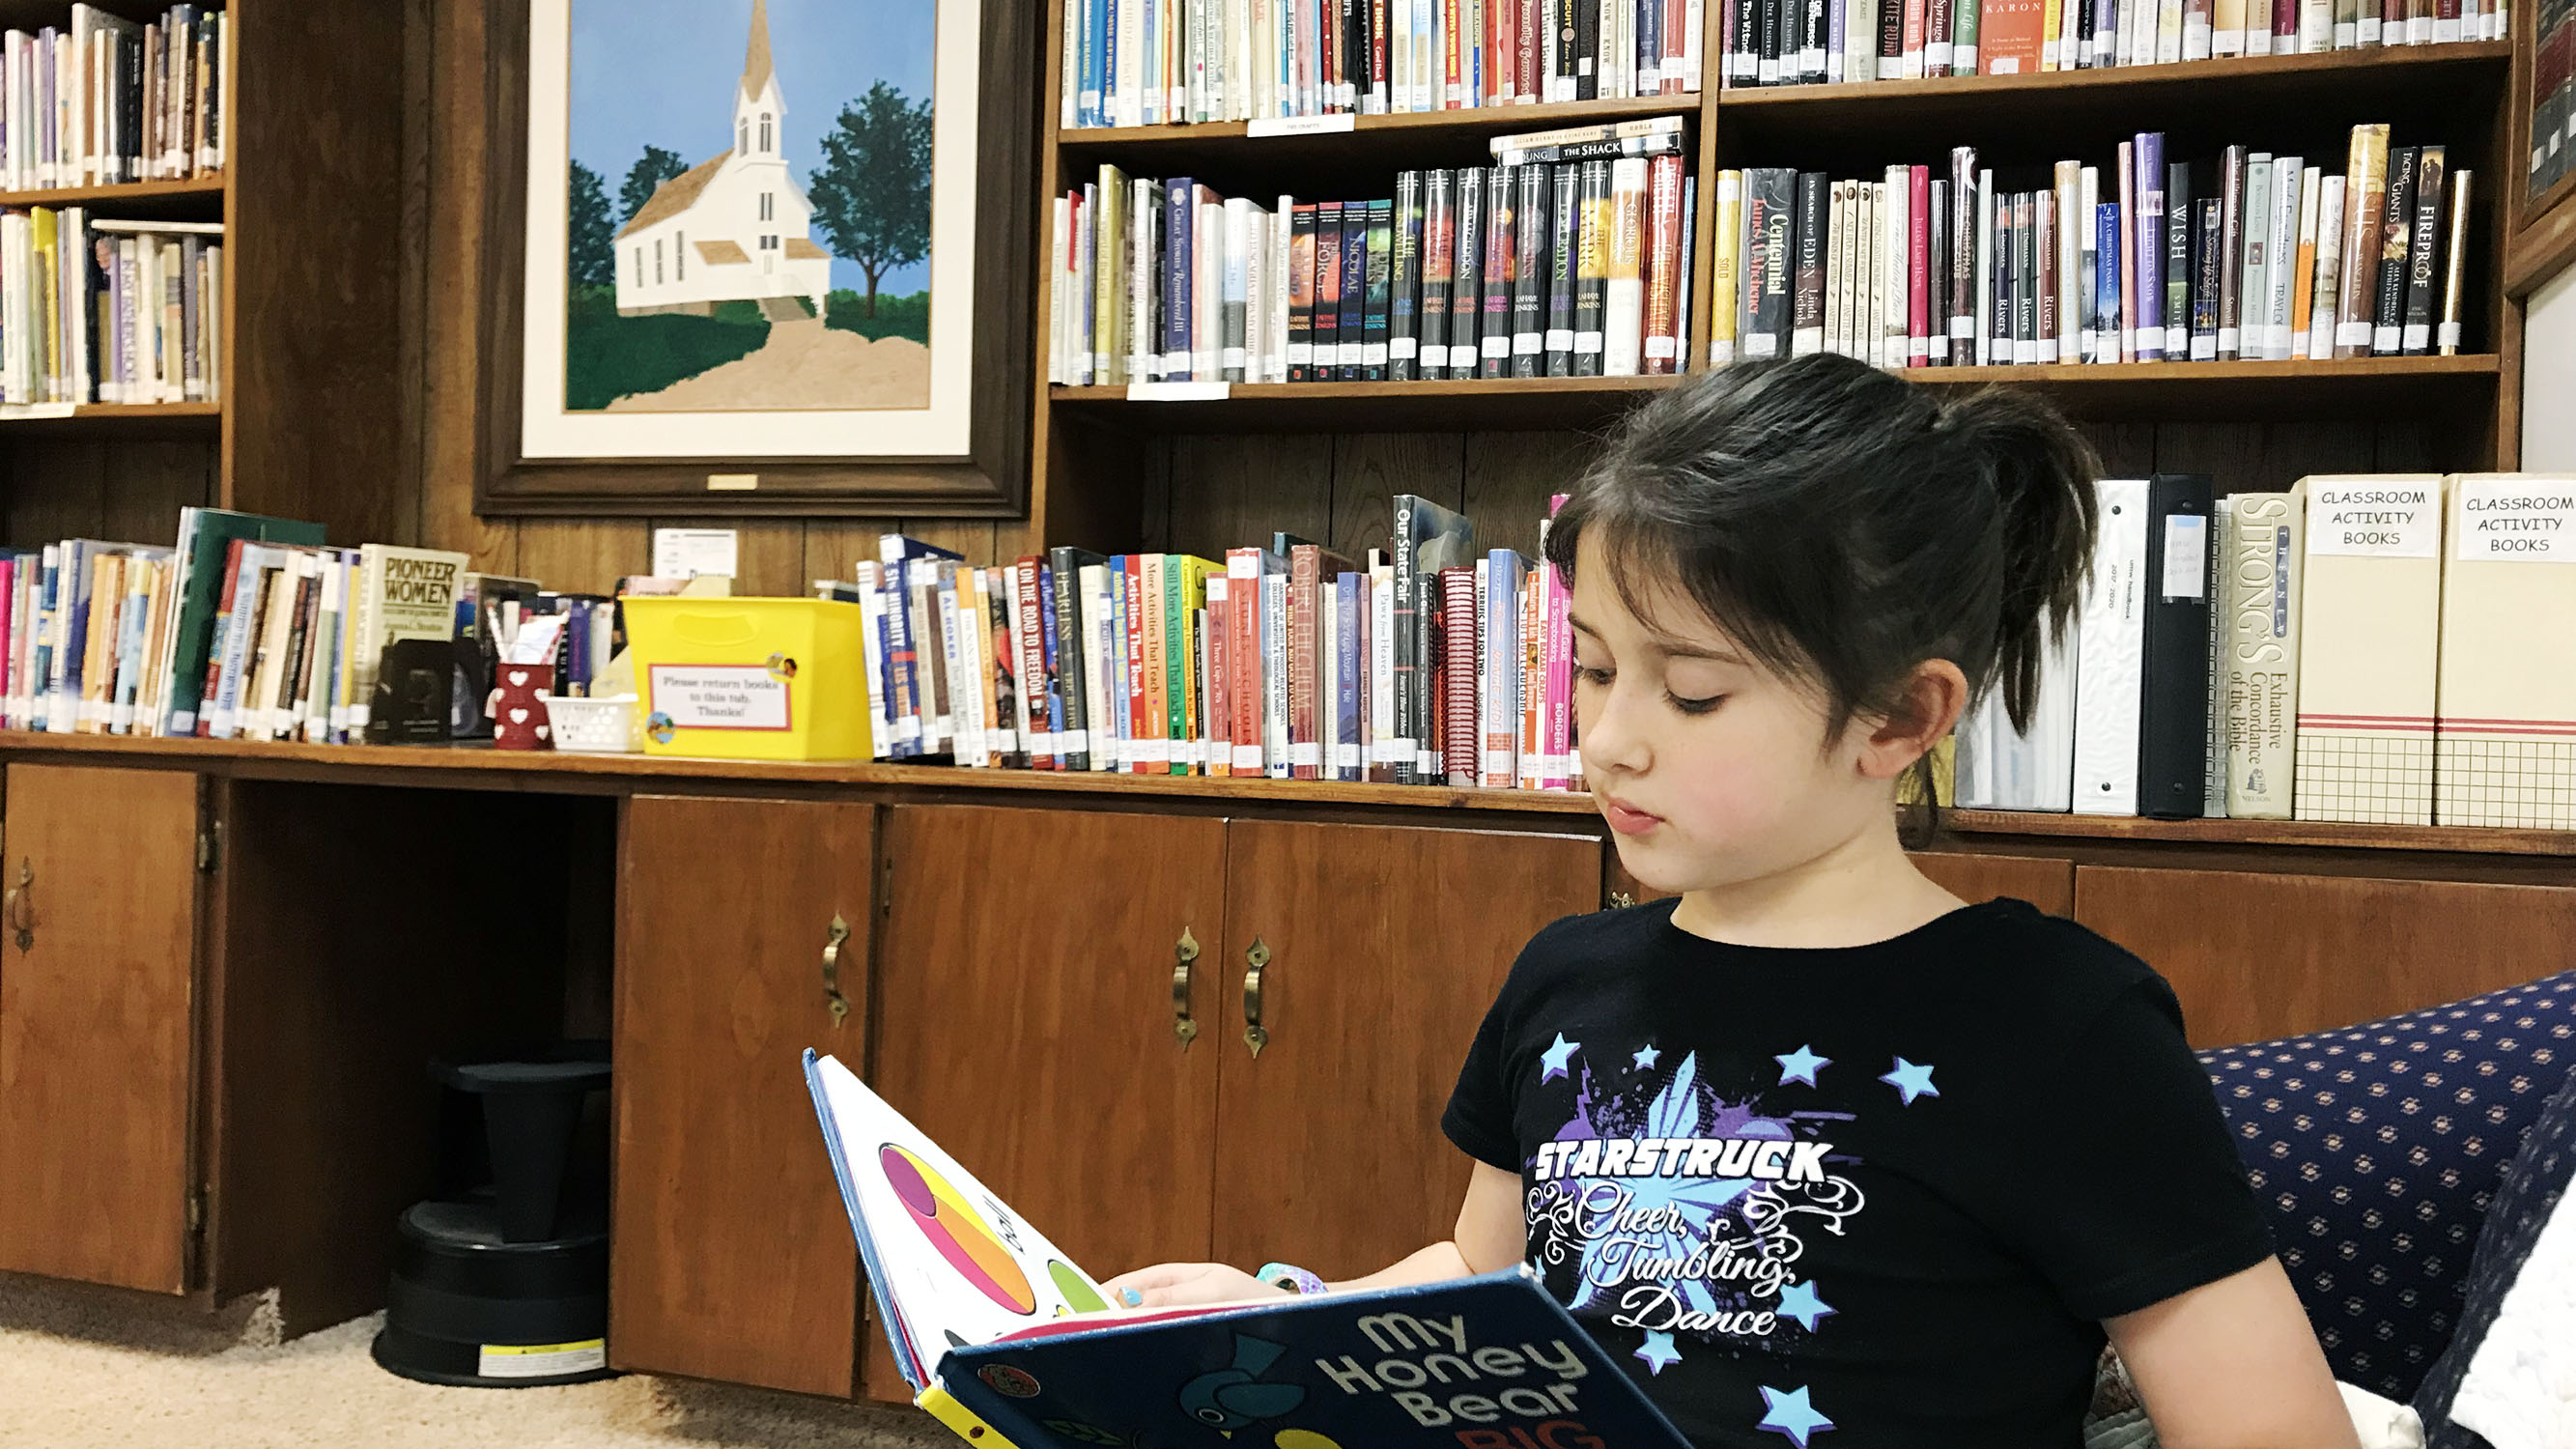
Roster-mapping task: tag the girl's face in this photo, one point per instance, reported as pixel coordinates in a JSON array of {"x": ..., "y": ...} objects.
[{"x": 1710, "y": 769}]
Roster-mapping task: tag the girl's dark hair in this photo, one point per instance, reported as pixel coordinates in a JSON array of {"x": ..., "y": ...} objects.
[{"x": 1843, "y": 525}]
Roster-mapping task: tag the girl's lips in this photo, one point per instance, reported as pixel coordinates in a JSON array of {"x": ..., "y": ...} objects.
[{"x": 1626, "y": 820}]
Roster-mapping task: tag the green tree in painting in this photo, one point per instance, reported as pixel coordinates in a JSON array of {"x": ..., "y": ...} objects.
[
  {"x": 645, "y": 177},
  {"x": 591, "y": 251},
  {"x": 872, "y": 193}
]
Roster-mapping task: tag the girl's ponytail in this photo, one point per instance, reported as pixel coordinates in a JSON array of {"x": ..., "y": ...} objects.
[{"x": 2042, "y": 473}]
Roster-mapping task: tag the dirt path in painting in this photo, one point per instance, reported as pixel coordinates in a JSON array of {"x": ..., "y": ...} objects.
[{"x": 803, "y": 365}]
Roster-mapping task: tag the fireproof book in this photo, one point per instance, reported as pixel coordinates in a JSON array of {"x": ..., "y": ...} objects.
[{"x": 1008, "y": 1343}]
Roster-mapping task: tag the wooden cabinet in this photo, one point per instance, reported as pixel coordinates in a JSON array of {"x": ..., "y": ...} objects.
[
  {"x": 1383, "y": 946},
  {"x": 1026, "y": 990},
  {"x": 97, "y": 1028},
  {"x": 2047, "y": 884},
  {"x": 1028, "y": 1026},
  {"x": 731, "y": 1256},
  {"x": 2255, "y": 956}
]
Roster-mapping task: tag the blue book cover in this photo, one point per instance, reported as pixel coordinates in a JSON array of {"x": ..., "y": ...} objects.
[
  {"x": 1006, "y": 1341},
  {"x": 1052, "y": 694},
  {"x": 2106, "y": 281},
  {"x": 895, "y": 551},
  {"x": 1348, "y": 665},
  {"x": 2149, "y": 157}
]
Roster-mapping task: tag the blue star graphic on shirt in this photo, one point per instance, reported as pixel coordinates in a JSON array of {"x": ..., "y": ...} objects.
[
  {"x": 1799, "y": 1301},
  {"x": 1800, "y": 1065},
  {"x": 1646, "y": 1058},
  {"x": 1912, "y": 1080},
  {"x": 1555, "y": 1058},
  {"x": 1658, "y": 1352},
  {"x": 1791, "y": 1414}
]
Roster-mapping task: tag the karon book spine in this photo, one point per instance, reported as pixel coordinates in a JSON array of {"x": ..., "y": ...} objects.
[
  {"x": 2370, "y": 626},
  {"x": 2505, "y": 736},
  {"x": 2259, "y": 598}
]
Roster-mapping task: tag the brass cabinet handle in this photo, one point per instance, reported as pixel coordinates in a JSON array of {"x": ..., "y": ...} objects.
[
  {"x": 833, "y": 936},
  {"x": 1254, "y": 1035},
  {"x": 21, "y": 906},
  {"x": 1184, "y": 951}
]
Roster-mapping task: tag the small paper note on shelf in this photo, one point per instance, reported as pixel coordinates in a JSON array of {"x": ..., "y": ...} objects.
[
  {"x": 1300, "y": 125},
  {"x": 1177, "y": 391},
  {"x": 37, "y": 410}
]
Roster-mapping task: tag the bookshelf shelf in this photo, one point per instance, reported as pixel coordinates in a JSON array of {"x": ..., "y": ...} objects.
[
  {"x": 116, "y": 420},
  {"x": 2467, "y": 839},
  {"x": 1391, "y": 137},
  {"x": 2142, "y": 391},
  {"x": 1501, "y": 404},
  {"x": 155, "y": 200}
]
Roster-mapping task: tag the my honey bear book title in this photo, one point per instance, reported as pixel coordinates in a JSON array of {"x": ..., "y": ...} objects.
[{"x": 1006, "y": 1341}]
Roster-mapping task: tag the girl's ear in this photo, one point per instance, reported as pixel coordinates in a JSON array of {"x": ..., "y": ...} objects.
[{"x": 1931, "y": 704}]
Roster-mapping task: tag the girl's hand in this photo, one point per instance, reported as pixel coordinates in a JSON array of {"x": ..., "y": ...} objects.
[{"x": 1177, "y": 1285}]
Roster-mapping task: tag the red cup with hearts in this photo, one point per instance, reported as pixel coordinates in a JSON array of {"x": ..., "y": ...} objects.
[{"x": 519, "y": 706}]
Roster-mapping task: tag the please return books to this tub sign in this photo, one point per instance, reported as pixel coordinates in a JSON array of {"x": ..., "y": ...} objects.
[{"x": 720, "y": 696}]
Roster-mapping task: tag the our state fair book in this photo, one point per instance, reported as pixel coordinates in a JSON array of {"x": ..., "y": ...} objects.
[{"x": 1007, "y": 1342}]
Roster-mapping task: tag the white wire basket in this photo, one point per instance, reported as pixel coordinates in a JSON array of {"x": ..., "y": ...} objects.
[{"x": 594, "y": 726}]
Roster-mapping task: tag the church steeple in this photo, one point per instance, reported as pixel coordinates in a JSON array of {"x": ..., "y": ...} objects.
[{"x": 755, "y": 60}]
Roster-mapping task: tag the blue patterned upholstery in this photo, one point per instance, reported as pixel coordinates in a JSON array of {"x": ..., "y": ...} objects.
[
  {"x": 2531, "y": 1189},
  {"x": 2377, "y": 1148}
]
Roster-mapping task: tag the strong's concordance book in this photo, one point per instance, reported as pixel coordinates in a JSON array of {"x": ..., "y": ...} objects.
[{"x": 1008, "y": 1343}]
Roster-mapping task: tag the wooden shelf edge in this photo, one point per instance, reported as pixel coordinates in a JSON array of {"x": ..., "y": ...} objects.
[
  {"x": 1478, "y": 120},
  {"x": 122, "y": 191},
  {"x": 2466, "y": 364},
  {"x": 2398, "y": 59},
  {"x": 461, "y": 765},
  {"x": 2449, "y": 839},
  {"x": 447, "y": 765}
]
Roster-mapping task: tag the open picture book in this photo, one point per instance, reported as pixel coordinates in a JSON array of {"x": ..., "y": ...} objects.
[{"x": 1008, "y": 1342}]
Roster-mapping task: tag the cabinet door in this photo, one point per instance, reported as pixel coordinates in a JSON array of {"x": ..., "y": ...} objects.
[
  {"x": 96, "y": 1006},
  {"x": 2047, "y": 884},
  {"x": 1026, "y": 1014},
  {"x": 1385, "y": 945},
  {"x": 2257, "y": 956},
  {"x": 730, "y": 1254}
]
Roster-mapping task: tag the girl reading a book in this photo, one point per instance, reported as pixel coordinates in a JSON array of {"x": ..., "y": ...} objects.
[{"x": 1814, "y": 1145}]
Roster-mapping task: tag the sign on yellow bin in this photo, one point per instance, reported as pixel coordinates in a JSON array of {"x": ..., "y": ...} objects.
[{"x": 751, "y": 679}]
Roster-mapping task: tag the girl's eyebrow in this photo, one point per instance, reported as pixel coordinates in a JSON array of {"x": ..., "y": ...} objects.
[{"x": 1673, "y": 648}]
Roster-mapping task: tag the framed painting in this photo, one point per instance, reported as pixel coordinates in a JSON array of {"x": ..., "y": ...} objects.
[{"x": 759, "y": 257}]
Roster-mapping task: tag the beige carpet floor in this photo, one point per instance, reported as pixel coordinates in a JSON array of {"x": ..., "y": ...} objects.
[{"x": 91, "y": 1369}]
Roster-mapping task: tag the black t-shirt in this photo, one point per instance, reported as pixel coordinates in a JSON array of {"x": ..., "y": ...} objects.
[{"x": 1891, "y": 1187}]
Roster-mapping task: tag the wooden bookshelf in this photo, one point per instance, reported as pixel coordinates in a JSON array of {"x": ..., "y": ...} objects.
[{"x": 310, "y": 198}]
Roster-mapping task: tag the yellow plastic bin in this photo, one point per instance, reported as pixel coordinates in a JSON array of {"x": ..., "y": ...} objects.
[{"x": 751, "y": 679}]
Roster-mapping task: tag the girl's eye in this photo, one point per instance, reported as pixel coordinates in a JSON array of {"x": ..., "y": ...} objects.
[
  {"x": 1695, "y": 706},
  {"x": 1588, "y": 675}
]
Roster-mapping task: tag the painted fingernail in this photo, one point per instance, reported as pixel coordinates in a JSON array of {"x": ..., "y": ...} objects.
[{"x": 1130, "y": 1297}]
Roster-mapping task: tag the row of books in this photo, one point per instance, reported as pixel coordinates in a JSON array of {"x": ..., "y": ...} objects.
[
  {"x": 2552, "y": 94},
  {"x": 2248, "y": 256},
  {"x": 1567, "y": 259},
  {"x": 97, "y": 310},
  {"x": 2377, "y": 648},
  {"x": 105, "y": 100},
  {"x": 1426, "y": 662},
  {"x": 1155, "y": 62},
  {"x": 1809, "y": 42}
]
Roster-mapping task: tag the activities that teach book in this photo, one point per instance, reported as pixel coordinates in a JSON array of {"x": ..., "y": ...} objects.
[{"x": 1006, "y": 1341}]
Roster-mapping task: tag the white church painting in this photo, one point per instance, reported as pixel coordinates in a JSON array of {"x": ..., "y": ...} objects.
[
  {"x": 735, "y": 227},
  {"x": 732, "y": 207}
]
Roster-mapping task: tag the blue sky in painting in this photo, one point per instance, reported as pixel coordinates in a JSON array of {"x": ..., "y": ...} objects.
[{"x": 663, "y": 73}]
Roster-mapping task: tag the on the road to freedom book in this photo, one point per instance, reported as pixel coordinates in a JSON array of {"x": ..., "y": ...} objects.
[{"x": 1008, "y": 1343}]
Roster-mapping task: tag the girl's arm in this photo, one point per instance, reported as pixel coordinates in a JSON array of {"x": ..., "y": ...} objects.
[
  {"x": 2233, "y": 1365},
  {"x": 1489, "y": 1235}
]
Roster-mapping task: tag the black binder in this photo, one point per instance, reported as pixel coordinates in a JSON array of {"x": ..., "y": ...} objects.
[{"x": 2173, "y": 711}]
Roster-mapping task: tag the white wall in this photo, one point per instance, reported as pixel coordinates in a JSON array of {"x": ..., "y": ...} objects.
[{"x": 2549, "y": 377}]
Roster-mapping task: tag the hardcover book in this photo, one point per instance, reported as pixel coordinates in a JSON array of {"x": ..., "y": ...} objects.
[
  {"x": 405, "y": 593},
  {"x": 1011, "y": 1345},
  {"x": 2370, "y": 625},
  {"x": 2505, "y": 727},
  {"x": 2260, "y": 664}
]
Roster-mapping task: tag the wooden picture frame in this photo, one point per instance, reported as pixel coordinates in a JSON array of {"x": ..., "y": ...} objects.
[{"x": 990, "y": 481}]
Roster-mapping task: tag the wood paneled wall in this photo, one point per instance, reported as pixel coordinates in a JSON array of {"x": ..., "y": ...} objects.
[{"x": 446, "y": 171}]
